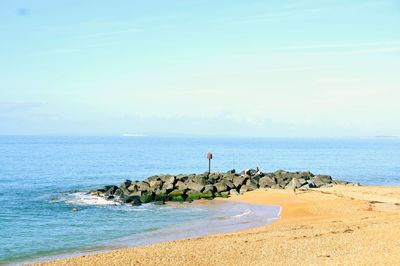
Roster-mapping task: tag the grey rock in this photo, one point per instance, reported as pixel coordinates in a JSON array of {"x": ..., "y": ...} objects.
[
  {"x": 233, "y": 192},
  {"x": 228, "y": 177},
  {"x": 302, "y": 181},
  {"x": 176, "y": 192},
  {"x": 198, "y": 179},
  {"x": 282, "y": 178},
  {"x": 220, "y": 186},
  {"x": 168, "y": 179},
  {"x": 325, "y": 178},
  {"x": 126, "y": 183},
  {"x": 243, "y": 189},
  {"x": 311, "y": 184},
  {"x": 136, "y": 193},
  {"x": 280, "y": 173},
  {"x": 225, "y": 194},
  {"x": 231, "y": 171},
  {"x": 110, "y": 190},
  {"x": 317, "y": 181},
  {"x": 118, "y": 193},
  {"x": 238, "y": 181},
  {"x": 307, "y": 175},
  {"x": 251, "y": 184},
  {"x": 167, "y": 187},
  {"x": 308, "y": 185},
  {"x": 106, "y": 188},
  {"x": 321, "y": 180},
  {"x": 155, "y": 183},
  {"x": 136, "y": 202},
  {"x": 181, "y": 178},
  {"x": 181, "y": 185},
  {"x": 250, "y": 172},
  {"x": 212, "y": 180},
  {"x": 195, "y": 186},
  {"x": 171, "y": 180},
  {"x": 294, "y": 183},
  {"x": 209, "y": 189},
  {"x": 129, "y": 199},
  {"x": 192, "y": 191},
  {"x": 153, "y": 178},
  {"x": 266, "y": 181},
  {"x": 133, "y": 187},
  {"x": 340, "y": 182},
  {"x": 124, "y": 186},
  {"x": 228, "y": 183},
  {"x": 256, "y": 178},
  {"x": 353, "y": 184},
  {"x": 143, "y": 186}
]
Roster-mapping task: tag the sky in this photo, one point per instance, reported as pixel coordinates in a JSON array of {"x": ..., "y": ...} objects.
[{"x": 226, "y": 68}]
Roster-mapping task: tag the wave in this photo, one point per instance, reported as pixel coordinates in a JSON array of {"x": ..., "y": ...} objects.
[
  {"x": 83, "y": 198},
  {"x": 247, "y": 212}
]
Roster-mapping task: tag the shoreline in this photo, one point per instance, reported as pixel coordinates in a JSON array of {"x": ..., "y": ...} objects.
[
  {"x": 245, "y": 216},
  {"x": 342, "y": 224}
]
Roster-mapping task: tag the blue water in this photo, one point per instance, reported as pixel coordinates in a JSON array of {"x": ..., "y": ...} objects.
[{"x": 40, "y": 177}]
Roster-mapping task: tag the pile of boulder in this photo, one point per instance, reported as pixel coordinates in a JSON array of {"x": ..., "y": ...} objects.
[{"x": 162, "y": 188}]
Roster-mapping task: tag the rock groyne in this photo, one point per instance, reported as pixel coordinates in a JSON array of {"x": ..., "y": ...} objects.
[{"x": 162, "y": 188}]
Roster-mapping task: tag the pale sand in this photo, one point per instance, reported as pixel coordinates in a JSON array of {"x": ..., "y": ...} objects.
[{"x": 334, "y": 226}]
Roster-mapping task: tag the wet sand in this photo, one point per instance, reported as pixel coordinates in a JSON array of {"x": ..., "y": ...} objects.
[{"x": 342, "y": 225}]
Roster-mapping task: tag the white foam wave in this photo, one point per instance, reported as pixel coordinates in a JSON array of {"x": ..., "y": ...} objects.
[
  {"x": 247, "y": 212},
  {"x": 82, "y": 198}
]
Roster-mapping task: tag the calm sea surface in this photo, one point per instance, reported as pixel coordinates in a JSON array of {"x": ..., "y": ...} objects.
[{"x": 42, "y": 178}]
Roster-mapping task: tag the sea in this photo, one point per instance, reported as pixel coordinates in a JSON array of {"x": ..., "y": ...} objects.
[{"x": 43, "y": 178}]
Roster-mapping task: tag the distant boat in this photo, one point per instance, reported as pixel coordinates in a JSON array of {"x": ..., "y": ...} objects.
[{"x": 132, "y": 135}]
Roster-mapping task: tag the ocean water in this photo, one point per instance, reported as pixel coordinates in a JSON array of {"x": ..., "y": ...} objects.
[{"x": 42, "y": 178}]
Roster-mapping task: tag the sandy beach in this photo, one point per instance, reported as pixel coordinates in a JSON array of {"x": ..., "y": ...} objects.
[{"x": 342, "y": 225}]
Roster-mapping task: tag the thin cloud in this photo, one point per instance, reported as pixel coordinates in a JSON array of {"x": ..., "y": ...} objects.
[
  {"x": 302, "y": 9},
  {"x": 262, "y": 71},
  {"x": 60, "y": 51},
  {"x": 106, "y": 34},
  {"x": 361, "y": 51},
  {"x": 338, "y": 45},
  {"x": 277, "y": 15},
  {"x": 331, "y": 49},
  {"x": 337, "y": 80},
  {"x": 55, "y": 52}
]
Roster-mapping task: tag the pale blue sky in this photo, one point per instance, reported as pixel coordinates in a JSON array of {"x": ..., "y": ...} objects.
[{"x": 253, "y": 68}]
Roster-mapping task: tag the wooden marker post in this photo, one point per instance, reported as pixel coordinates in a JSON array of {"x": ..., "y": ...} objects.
[{"x": 209, "y": 157}]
